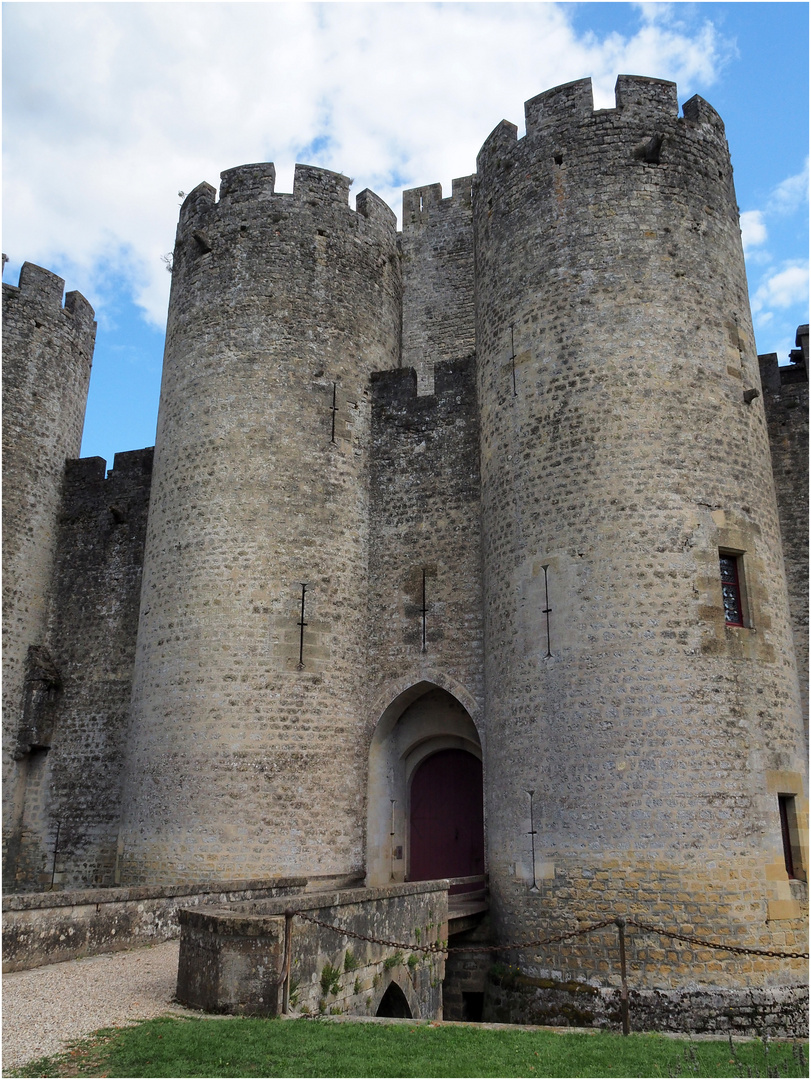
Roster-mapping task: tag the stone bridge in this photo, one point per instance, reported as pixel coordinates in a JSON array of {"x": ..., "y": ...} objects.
[{"x": 357, "y": 951}]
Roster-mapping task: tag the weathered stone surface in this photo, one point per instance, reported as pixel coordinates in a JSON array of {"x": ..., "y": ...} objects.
[
  {"x": 777, "y": 1012},
  {"x": 785, "y": 400},
  {"x": 47, "y": 928},
  {"x": 247, "y": 744},
  {"x": 72, "y": 811},
  {"x": 47, "y": 352},
  {"x": 622, "y": 459},
  {"x": 439, "y": 318},
  {"x": 232, "y": 960}
]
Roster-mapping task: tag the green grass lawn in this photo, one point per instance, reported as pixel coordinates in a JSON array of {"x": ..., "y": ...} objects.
[{"x": 178, "y": 1047}]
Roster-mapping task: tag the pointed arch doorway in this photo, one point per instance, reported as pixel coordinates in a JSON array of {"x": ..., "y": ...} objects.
[{"x": 427, "y": 738}]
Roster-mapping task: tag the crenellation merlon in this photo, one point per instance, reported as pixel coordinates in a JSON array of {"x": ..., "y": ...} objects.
[
  {"x": 373, "y": 208},
  {"x": 698, "y": 111},
  {"x": 197, "y": 204},
  {"x": 45, "y": 289},
  {"x": 83, "y": 314},
  {"x": 397, "y": 389},
  {"x": 421, "y": 203},
  {"x": 321, "y": 184},
  {"x": 132, "y": 463},
  {"x": 501, "y": 140},
  {"x": 645, "y": 96},
  {"x": 248, "y": 182},
  {"x": 566, "y": 102}
]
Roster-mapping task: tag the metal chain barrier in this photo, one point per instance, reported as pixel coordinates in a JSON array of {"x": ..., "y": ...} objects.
[
  {"x": 741, "y": 949},
  {"x": 554, "y": 940}
]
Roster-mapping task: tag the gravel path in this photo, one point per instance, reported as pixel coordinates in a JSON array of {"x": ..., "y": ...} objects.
[{"x": 46, "y": 1008}]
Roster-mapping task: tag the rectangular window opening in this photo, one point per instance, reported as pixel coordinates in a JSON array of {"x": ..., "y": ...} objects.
[
  {"x": 732, "y": 588},
  {"x": 792, "y": 852}
]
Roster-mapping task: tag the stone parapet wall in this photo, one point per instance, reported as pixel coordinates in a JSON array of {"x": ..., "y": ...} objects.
[
  {"x": 785, "y": 399},
  {"x": 436, "y": 243},
  {"x": 47, "y": 928},
  {"x": 777, "y": 1012},
  {"x": 232, "y": 960}
]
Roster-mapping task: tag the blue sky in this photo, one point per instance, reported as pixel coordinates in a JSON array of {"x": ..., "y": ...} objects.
[{"x": 110, "y": 110}]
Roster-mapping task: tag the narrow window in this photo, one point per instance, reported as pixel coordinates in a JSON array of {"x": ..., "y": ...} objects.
[
  {"x": 731, "y": 588},
  {"x": 791, "y": 845}
]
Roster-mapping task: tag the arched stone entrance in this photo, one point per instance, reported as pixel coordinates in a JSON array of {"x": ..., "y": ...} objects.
[{"x": 422, "y": 723}]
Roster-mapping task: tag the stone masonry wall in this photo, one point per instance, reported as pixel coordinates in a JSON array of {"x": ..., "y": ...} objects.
[
  {"x": 247, "y": 748},
  {"x": 47, "y": 354},
  {"x": 49, "y": 928},
  {"x": 653, "y": 736},
  {"x": 232, "y": 960},
  {"x": 424, "y": 521},
  {"x": 439, "y": 321},
  {"x": 785, "y": 398},
  {"x": 780, "y": 1012},
  {"x": 424, "y": 514},
  {"x": 75, "y": 810}
]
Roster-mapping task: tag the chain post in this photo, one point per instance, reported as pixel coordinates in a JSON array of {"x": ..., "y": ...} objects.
[
  {"x": 288, "y": 949},
  {"x": 626, "y": 1023}
]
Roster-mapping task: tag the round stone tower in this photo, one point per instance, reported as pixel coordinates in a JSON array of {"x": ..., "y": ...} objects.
[
  {"x": 247, "y": 736},
  {"x": 643, "y": 728},
  {"x": 47, "y": 354}
]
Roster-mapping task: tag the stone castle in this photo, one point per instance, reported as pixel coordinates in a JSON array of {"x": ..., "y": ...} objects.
[{"x": 479, "y": 547}]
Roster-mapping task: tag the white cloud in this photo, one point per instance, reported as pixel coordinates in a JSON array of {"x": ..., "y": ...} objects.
[
  {"x": 791, "y": 194},
  {"x": 110, "y": 109},
  {"x": 753, "y": 229},
  {"x": 782, "y": 289}
]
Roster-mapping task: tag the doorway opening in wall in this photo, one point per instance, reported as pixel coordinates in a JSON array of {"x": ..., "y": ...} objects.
[
  {"x": 425, "y": 740},
  {"x": 446, "y": 821}
]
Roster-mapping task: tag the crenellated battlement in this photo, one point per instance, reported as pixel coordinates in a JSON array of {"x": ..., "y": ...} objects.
[
  {"x": 421, "y": 204},
  {"x": 254, "y": 186},
  {"x": 639, "y": 101},
  {"x": 634, "y": 94},
  {"x": 88, "y": 482},
  {"x": 395, "y": 392},
  {"x": 44, "y": 289}
]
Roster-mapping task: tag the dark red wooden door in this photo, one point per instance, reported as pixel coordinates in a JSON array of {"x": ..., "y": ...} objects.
[{"x": 447, "y": 818}]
